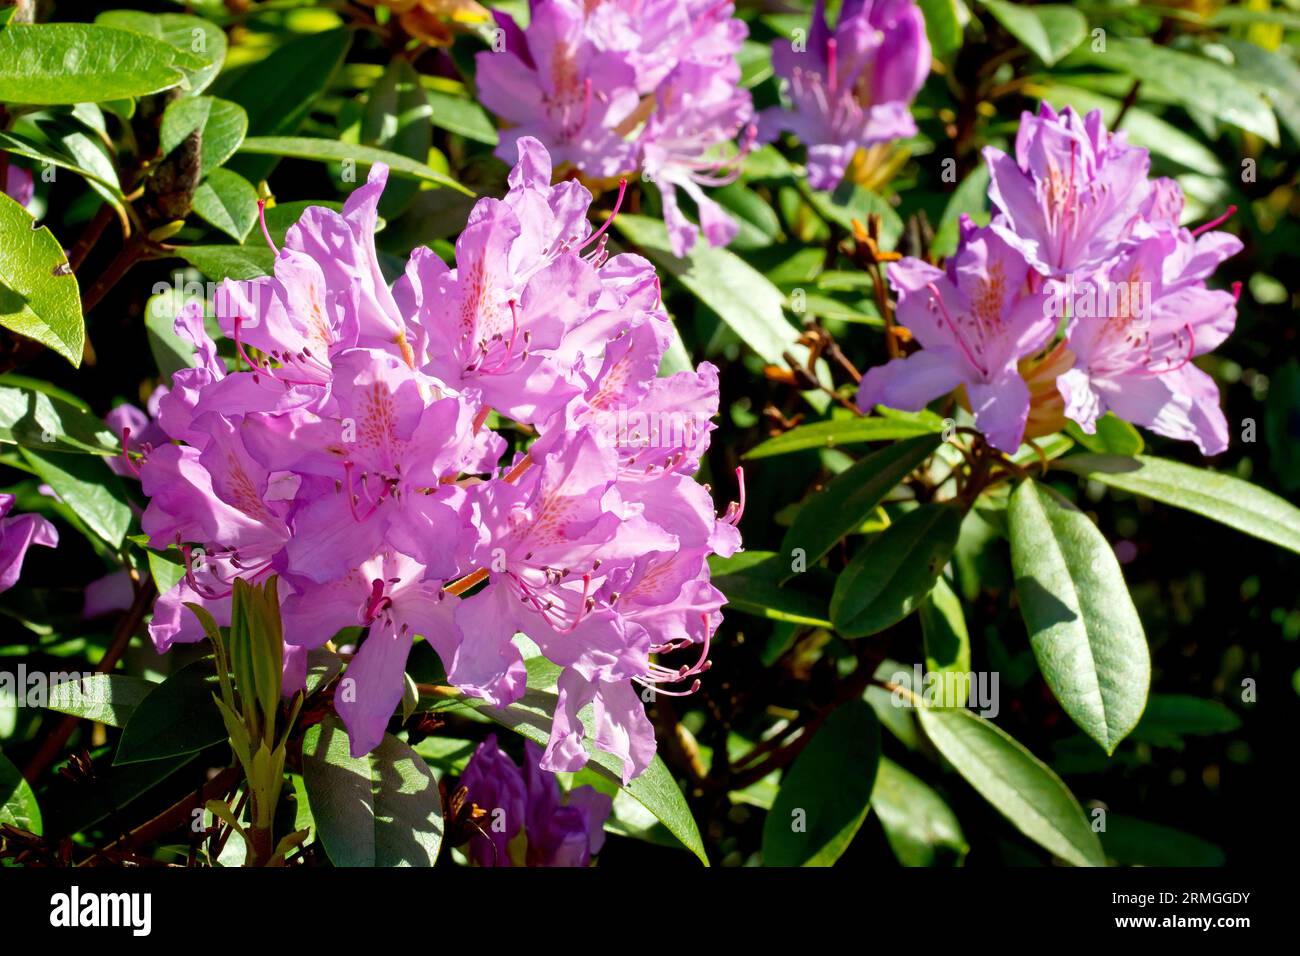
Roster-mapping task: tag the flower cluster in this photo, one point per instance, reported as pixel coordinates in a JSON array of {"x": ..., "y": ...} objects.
[
  {"x": 527, "y": 821},
  {"x": 621, "y": 85},
  {"x": 17, "y": 534},
  {"x": 852, "y": 87},
  {"x": 348, "y": 452},
  {"x": 1079, "y": 233}
]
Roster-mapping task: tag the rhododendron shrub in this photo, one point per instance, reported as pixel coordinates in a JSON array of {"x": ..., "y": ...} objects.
[{"x": 644, "y": 434}]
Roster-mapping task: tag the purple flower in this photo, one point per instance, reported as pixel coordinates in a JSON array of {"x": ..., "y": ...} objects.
[
  {"x": 17, "y": 534},
  {"x": 346, "y": 450},
  {"x": 1072, "y": 193},
  {"x": 626, "y": 84},
  {"x": 528, "y": 821},
  {"x": 853, "y": 87},
  {"x": 18, "y": 184},
  {"x": 974, "y": 321},
  {"x": 1137, "y": 323}
]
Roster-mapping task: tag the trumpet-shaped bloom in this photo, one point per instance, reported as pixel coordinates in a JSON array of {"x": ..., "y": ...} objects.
[
  {"x": 851, "y": 87},
  {"x": 974, "y": 320},
  {"x": 17, "y": 534},
  {"x": 626, "y": 86},
  {"x": 528, "y": 821},
  {"x": 1071, "y": 194},
  {"x": 1134, "y": 330}
]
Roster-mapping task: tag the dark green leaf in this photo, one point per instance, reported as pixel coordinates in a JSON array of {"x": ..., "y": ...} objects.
[
  {"x": 178, "y": 717},
  {"x": 890, "y": 576},
  {"x": 382, "y": 809},
  {"x": 751, "y": 582},
  {"x": 223, "y": 125},
  {"x": 1139, "y": 843},
  {"x": 330, "y": 150},
  {"x": 826, "y": 793},
  {"x": 201, "y": 44},
  {"x": 920, "y": 827},
  {"x": 1020, "y": 786},
  {"x": 1082, "y": 624},
  {"x": 1171, "y": 717},
  {"x": 947, "y": 644},
  {"x": 1217, "y": 496},
  {"x": 1114, "y": 436},
  {"x": 851, "y": 497}
]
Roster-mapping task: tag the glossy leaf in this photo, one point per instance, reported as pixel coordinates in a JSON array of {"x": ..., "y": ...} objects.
[
  {"x": 201, "y": 43},
  {"x": 850, "y": 498},
  {"x": 826, "y": 793},
  {"x": 921, "y": 829},
  {"x": 54, "y": 63},
  {"x": 839, "y": 432},
  {"x": 330, "y": 150},
  {"x": 383, "y": 809},
  {"x": 892, "y": 573},
  {"x": 107, "y": 698},
  {"x": 39, "y": 297},
  {"x": 18, "y": 807},
  {"x": 1082, "y": 624},
  {"x": 1215, "y": 495},
  {"x": 222, "y": 125},
  {"x": 947, "y": 643},
  {"x": 37, "y": 415},
  {"x": 1049, "y": 31},
  {"x": 178, "y": 717},
  {"x": 89, "y": 488},
  {"x": 1018, "y": 785},
  {"x": 227, "y": 201},
  {"x": 751, "y": 581}
]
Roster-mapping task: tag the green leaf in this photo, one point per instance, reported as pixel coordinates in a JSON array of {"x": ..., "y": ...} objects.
[
  {"x": 165, "y": 572},
  {"x": 279, "y": 91},
  {"x": 223, "y": 125},
  {"x": 751, "y": 582},
  {"x": 1171, "y": 717},
  {"x": 18, "y": 806},
  {"x": 1018, "y": 785},
  {"x": 397, "y": 119},
  {"x": 849, "y": 201},
  {"x": 947, "y": 644},
  {"x": 826, "y": 793},
  {"x": 107, "y": 698},
  {"x": 89, "y": 488},
  {"x": 35, "y": 414},
  {"x": 852, "y": 496},
  {"x": 744, "y": 298},
  {"x": 1212, "y": 494},
  {"x": 1049, "y": 31},
  {"x": 1082, "y": 624},
  {"x": 1197, "y": 82},
  {"x": 655, "y": 789},
  {"x": 1113, "y": 436},
  {"x": 178, "y": 717},
  {"x": 1133, "y": 842},
  {"x": 1275, "y": 73},
  {"x": 921, "y": 829},
  {"x": 201, "y": 43},
  {"x": 57, "y": 63},
  {"x": 227, "y": 201},
  {"x": 329, "y": 150},
  {"x": 462, "y": 116},
  {"x": 381, "y": 809},
  {"x": 891, "y": 575},
  {"x": 846, "y": 431},
  {"x": 942, "y": 26},
  {"x": 39, "y": 297},
  {"x": 229, "y": 262}
]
